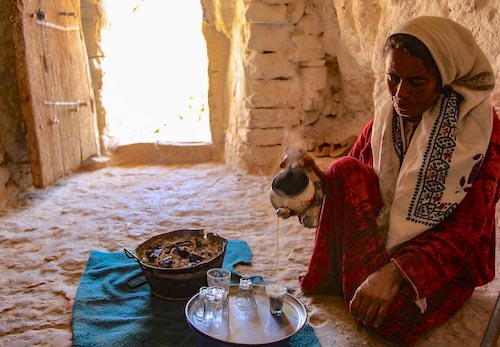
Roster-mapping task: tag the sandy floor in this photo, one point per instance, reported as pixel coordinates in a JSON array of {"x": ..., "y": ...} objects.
[{"x": 46, "y": 237}]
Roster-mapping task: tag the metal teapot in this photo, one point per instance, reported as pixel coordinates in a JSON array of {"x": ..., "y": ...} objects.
[{"x": 292, "y": 192}]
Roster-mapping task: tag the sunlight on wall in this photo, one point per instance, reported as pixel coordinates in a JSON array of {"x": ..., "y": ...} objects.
[{"x": 155, "y": 81}]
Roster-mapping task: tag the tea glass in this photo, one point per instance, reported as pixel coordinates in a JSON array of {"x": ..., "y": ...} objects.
[
  {"x": 245, "y": 298},
  {"x": 215, "y": 320},
  {"x": 276, "y": 293},
  {"x": 219, "y": 277}
]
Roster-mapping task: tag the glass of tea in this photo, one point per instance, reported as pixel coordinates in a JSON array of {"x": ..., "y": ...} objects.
[{"x": 276, "y": 293}]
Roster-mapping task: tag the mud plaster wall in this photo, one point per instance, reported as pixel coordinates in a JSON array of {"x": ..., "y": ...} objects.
[
  {"x": 281, "y": 72},
  {"x": 92, "y": 21},
  {"x": 15, "y": 171}
]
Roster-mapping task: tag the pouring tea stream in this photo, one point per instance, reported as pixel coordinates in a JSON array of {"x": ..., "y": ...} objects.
[{"x": 291, "y": 194}]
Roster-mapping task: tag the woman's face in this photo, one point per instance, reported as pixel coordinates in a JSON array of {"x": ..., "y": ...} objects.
[{"x": 413, "y": 88}]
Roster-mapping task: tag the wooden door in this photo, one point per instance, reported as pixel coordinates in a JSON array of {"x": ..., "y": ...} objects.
[{"x": 56, "y": 92}]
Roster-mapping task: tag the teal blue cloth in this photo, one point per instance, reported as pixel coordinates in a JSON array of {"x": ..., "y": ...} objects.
[
  {"x": 114, "y": 305},
  {"x": 239, "y": 253}
]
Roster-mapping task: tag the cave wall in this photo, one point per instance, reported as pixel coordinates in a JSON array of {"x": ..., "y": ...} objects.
[
  {"x": 281, "y": 73},
  {"x": 364, "y": 25},
  {"x": 15, "y": 170},
  {"x": 93, "y": 19}
]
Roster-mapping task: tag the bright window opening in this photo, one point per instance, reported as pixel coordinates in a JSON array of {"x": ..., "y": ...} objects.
[{"x": 155, "y": 71}]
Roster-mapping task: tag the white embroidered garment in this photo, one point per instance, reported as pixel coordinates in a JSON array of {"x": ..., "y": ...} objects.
[{"x": 423, "y": 186}]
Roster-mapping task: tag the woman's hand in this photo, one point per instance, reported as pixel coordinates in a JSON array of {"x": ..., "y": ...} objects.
[
  {"x": 373, "y": 297},
  {"x": 299, "y": 158}
]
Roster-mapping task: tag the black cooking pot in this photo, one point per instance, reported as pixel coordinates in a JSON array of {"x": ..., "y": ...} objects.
[{"x": 179, "y": 283}]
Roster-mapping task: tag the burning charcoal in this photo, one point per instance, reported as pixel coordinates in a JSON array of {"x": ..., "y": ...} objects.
[
  {"x": 166, "y": 263},
  {"x": 198, "y": 243},
  {"x": 181, "y": 252},
  {"x": 186, "y": 243},
  {"x": 194, "y": 258},
  {"x": 152, "y": 255},
  {"x": 206, "y": 253}
]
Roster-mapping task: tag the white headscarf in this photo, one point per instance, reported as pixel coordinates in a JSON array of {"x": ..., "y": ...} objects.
[{"x": 422, "y": 187}]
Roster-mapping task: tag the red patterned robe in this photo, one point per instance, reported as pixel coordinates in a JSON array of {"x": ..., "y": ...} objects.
[{"x": 443, "y": 265}]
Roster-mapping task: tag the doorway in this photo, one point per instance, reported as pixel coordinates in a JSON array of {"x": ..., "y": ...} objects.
[{"x": 155, "y": 72}]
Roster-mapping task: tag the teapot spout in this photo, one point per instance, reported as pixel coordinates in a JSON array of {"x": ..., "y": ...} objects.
[{"x": 283, "y": 212}]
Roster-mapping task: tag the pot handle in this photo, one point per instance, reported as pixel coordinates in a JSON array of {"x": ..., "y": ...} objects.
[{"x": 131, "y": 255}]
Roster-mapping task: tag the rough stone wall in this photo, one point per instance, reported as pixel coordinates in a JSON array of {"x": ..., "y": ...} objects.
[
  {"x": 92, "y": 20},
  {"x": 292, "y": 93},
  {"x": 220, "y": 31},
  {"x": 14, "y": 163}
]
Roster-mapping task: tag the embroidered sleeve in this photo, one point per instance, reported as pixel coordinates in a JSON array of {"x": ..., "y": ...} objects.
[{"x": 463, "y": 244}]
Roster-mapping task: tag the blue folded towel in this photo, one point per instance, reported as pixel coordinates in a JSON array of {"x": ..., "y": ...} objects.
[{"x": 114, "y": 305}]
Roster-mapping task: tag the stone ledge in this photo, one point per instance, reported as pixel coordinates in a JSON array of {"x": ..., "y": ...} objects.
[{"x": 95, "y": 163}]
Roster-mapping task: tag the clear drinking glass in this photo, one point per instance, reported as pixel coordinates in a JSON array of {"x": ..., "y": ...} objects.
[
  {"x": 216, "y": 315},
  {"x": 219, "y": 277},
  {"x": 245, "y": 298}
]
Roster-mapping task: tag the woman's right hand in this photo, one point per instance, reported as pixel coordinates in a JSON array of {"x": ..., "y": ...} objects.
[{"x": 298, "y": 157}]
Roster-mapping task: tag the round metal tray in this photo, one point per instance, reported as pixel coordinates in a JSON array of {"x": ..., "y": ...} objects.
[{"x": 255, "y": 326}]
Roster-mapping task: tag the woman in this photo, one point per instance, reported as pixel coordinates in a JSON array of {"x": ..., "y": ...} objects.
[{"x": 406, "y": 230}]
